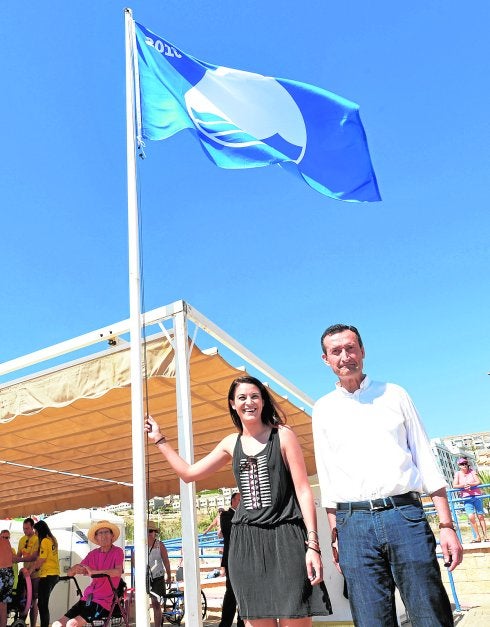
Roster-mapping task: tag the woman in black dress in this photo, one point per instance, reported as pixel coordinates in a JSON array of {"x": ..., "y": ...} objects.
[{"x": 275, "y": 563}]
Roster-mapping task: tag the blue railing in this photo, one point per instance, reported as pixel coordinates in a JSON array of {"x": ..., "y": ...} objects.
[
  {"x": 205, "y": 542},
  {"x": 210, "y": 540},
  {"x": 456, "y": 506}
]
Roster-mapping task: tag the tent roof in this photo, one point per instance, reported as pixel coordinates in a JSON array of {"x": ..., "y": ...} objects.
[{"x": 66, "y": 434}]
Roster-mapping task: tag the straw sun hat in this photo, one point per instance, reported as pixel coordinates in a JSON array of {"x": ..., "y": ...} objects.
[{"x": 102, "y": 524}]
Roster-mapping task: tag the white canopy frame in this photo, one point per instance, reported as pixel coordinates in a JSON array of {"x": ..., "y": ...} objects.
[{"x": 180, "y": 313}]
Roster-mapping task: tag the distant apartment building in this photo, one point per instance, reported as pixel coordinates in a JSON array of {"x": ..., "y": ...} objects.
[
  {"x": 157, "y": 503},
  {"x": 474, "y": 446},
  {"x": 121, "y": 507},
  {"x": 214, "y": 501},
  {"x": 447, "y": 459},
  {"x": 227, "y": 492},
  {"x": 204, "y": 502}
]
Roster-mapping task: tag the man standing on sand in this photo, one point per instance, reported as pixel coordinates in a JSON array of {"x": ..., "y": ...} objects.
[{"x": 373, "y": 460}]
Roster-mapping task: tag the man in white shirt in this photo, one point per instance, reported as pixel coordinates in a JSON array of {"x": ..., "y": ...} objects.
[{"x": 373, "y": 460}]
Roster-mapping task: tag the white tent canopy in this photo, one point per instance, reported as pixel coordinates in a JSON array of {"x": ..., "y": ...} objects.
[{"x": 68, "y": 434}]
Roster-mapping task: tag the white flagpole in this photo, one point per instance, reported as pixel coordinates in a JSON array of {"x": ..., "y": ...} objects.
[{"x": 138, "y": 443}]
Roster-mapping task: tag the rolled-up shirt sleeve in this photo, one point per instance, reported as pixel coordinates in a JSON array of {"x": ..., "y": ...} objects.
[{"x": 421, "y": 450}]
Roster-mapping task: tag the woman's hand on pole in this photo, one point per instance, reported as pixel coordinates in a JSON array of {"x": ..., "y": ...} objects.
[{"x": 152, "y": 429}]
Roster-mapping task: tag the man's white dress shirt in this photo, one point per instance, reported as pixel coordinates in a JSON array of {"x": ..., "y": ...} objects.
[{"x": 371, "y": 444}]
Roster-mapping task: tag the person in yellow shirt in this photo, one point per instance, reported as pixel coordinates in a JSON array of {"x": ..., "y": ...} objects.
[
  {"x": 49, "y": 568},
  {"x": 27, "y": 552}
]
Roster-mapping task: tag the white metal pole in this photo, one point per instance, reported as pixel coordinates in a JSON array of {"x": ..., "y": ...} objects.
[
  {"x": 193, "y": 614},
  {"x": 138, "y": 443}
]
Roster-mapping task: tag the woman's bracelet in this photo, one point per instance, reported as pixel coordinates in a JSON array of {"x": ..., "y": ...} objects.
[
  {"x": 314, "y": 532},
  {"x": 162, "y": 440},
  {"x": 313, "y": 542},
  {"x": 311, "y": 548}
]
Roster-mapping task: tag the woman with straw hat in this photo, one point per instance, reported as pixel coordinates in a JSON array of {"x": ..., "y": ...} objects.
[{"x": 107, "y": 559}]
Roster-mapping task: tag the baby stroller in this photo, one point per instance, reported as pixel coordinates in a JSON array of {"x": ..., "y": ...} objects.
[{"x": 19, "y": 608}]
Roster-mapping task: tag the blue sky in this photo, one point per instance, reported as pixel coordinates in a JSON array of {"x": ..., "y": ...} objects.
[{"x": 257, "y": 251}]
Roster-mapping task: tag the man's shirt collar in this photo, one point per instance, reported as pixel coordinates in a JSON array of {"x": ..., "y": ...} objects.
[{"x": 365, "y": 383}]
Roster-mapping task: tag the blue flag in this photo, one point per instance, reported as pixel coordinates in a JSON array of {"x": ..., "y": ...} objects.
[{"x": 247, "y": 120}]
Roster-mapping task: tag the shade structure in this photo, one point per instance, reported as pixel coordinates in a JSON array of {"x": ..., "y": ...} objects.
[{"x": 65, "y": 435}]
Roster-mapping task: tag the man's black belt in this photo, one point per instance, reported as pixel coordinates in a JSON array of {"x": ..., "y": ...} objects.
[{"x": 409, "y": 498}]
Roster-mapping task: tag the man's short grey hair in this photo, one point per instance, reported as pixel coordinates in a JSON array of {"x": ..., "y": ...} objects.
[{"x": 338, "y": 328}]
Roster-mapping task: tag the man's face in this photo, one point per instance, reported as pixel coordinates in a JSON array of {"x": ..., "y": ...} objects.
[
  {"x": 235, "y": 500},
  {"x": 343, "y": 354},
  {"x": 28, "y": 529}
]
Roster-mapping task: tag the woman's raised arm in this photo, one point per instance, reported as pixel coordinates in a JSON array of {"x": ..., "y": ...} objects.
[{"x": 213, "y": 461}]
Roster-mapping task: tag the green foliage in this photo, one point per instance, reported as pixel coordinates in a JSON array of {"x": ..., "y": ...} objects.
[
  {"x": 170, "y": 525},
  {"x": 129, "y": 529},
  {"x": 204, "y": 520},
  {"x": 485, "y": 478}
]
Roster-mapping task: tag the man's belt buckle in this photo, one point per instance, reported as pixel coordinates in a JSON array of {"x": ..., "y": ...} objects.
[{"x": 381, "y": 505}]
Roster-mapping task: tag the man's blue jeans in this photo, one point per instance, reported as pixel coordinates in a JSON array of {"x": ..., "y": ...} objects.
[{"x": 379, "y": 550}]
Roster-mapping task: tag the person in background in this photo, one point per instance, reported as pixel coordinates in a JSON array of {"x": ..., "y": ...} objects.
[
  {"x": 274, "y": 559},
  {"x": 373, "y": 460},
  {"x": 159, "y": 571},
  {"x": 229, "y": 601},
  {"x": 27, "y": 552},
  {"x": 6, "y": 578},
  {"x": 214, "y": 524},
  {"x": 97, "y": 597},
  {"x": 5, "y": 534},
  {"x": 467, "y": 480},
  {"x": 48, "y": 566}
]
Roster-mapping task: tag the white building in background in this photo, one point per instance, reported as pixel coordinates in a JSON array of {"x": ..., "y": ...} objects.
[
  {"x": 445, "y": 459},
  {"x": 203, "y": 502},
  {"x": 469, "y": 441},
  {"x": 474, "y": 445},
  {"x": 122, "y": 507}
]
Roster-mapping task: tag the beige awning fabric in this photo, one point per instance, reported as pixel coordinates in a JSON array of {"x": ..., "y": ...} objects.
[
  {"x": 91, "y": 378},
  {"x": 77, "y": 420}
]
